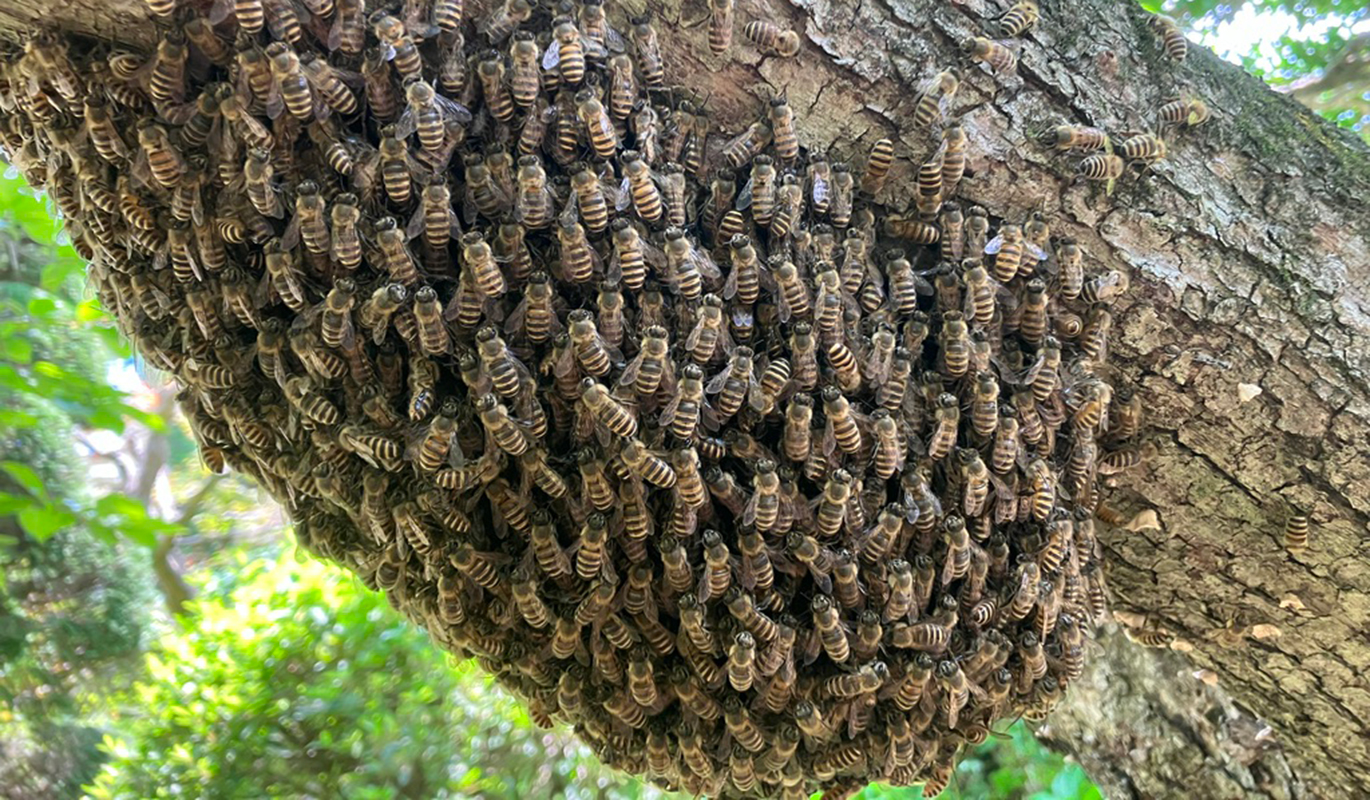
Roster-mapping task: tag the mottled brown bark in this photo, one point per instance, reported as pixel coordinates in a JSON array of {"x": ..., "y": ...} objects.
[{"x": 1246, "y": 329}]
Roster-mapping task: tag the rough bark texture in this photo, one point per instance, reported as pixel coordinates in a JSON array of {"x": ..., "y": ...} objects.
[{"x": 1246, "y": 329}]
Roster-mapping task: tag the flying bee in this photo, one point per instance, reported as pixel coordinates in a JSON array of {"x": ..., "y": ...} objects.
[
  {"x": 770, "y": 39},
  {"x": 644, "y": 38}
]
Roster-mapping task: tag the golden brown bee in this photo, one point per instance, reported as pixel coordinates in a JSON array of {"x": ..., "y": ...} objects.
[
  {"x": 1094, "y": 338},
  {"x": 1022, "y": 16},
  {"x": 1075, "y": 137},
  {"x": 1102, "y": 167},
  {"x": 641, "y": 191},
  {"x": 748, "y": 145},
  {"x": 1172, "y": 38},
  {"x": 996, "y": 55},
  {"x": 915, "y": 230},
  {"x": 1296, "y": 533},
  {"x": 644, "y": 39},
  {"x": 599, "y": 127},
  {"x": 770, "y": 39},
  {"x": 1184, "y": 111},
  {"x": 1147, "y": 148},
  {"x": 742, "y": 661},
  {"x": 720, "y": 26}
]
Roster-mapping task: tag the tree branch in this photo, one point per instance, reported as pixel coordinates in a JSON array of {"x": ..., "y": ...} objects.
[{"x": 1244, "y": 330}]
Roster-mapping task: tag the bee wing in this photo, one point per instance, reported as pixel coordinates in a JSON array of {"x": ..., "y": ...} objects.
[
  {"x": 415, "y": 226},
  {"x": 551, "y": 57},
  {"x": 625, "y": 195},
  {"x": 744, "y": 197},
  {"x": 1037, "y": 252},
  {"x": 613, "y": 271},
  {"x": 654, "y": 256},
  {"x": 565, "y": 364},
  {"x": 220, "y": 11},
  {"x": 668, "y": 412},
  {"x": 453, "y": 110},
  {"x": 571, "y": 213},
  {"x": 994, "y": 245},
  {"x": 716, "y": 383},
  {"x": 594, "y": 51},
  {"x": 819, "y": 190},
  {"x": 730, "y": 285},
  {"x": 408, "y": 123},
  {"x": 706, "y": 266},
  {"x": 614, "y": 40}
]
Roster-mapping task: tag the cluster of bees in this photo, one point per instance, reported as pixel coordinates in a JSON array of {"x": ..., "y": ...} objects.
[{"x": 688, "y": 441}]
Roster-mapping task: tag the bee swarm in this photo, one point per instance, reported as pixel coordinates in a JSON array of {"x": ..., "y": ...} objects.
[{"x": 687, "y": 440}]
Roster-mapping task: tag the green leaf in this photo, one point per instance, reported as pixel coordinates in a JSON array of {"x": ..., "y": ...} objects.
[
  {"x": 56, "y": 273},
  {"x": 121, "y": 505},
  {"x": 90, "y": 311},
  {"x": 26, "y": 477},
  {"x": 42, "y": 307},
  {"x": 10, "y": 504},
  {"x": 40, "y": 522},
  {"x": 17, "y": 349}
]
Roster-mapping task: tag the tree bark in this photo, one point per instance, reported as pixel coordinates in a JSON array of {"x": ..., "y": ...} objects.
[{"x": 1245, "y": 330}]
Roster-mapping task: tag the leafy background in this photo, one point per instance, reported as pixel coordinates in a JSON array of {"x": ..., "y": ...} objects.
[{"x": 159, "y": 636}]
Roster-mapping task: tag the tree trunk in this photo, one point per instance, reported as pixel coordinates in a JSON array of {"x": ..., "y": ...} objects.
[{"x": 1245, "y": 330}]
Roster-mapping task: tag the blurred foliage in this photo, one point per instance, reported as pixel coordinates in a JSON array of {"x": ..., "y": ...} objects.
[
  {"x": 299, "y": 682},
  {"x": 54, "y": 352},
  {"x": 73, "y": 609},
  {"x": 1318, "y": 50}
]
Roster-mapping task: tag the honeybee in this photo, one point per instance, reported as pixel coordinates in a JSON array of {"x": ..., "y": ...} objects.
[
  {"x": 1172, "y": 37},
  {"x": 720, "y": 26},
  {"x": 1184, "y": 112},
  {"x": 770, "y": 39},
  {"x": 1022, "y": 16},
  {"x": 935, "y": 98},
  {"x": 1075, "y": 137},
  {"x": 1103, "y": 167},
  {"x": 644, "y": 38},
  {"x": 996, "y": 55},
  {"x": 426, "y": 114},
  {"x": 748, "y": 145}
]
